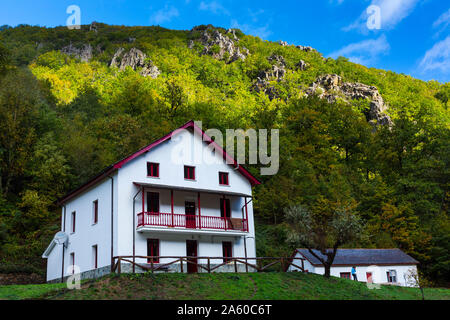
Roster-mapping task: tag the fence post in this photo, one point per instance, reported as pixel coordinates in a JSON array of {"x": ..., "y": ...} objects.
[
  {"x": 151, "y": 263},
  {"x": 181, "y": 264},
  {"x": 246, "y": 264},
  {"x": 119, "y": 261},
  {"x": 235, "y": 266},
  {"x": 209, "y": 265}
]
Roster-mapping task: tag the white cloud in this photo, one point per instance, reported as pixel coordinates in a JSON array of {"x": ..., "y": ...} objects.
[
  {"x": 442, "y": 22},
  {"x": 437, "y": 58},
  {"x": 364, "y": 52},
  {"x": 392, "y": 13},
  {"x": 164, "y": 15},
  {"x": 214, "y": 7},
  {"x": 262, "y": 32}
]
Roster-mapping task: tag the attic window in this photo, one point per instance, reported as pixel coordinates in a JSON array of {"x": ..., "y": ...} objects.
[
  {"x": 223, "y": 178},
  {"x": 152, "y": 169},
  {"x": 189, "y": 173}
]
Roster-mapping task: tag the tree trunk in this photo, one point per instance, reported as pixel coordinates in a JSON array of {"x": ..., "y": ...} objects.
[{"x": 327, "y": 270}]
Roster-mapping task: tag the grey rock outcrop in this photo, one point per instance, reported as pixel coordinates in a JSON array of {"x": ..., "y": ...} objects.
[
  {"x": 278, "y": 70},
  {"x": 84, "y": 53},
  {"x": 93, "y": 27},
  {"x": 305, "y": 48},
  {"x": 331, "y": 86},
  {"x": 220, "y": 46},
  {"x": 302, "y": 65},
  {"x": 134, "y": 58}
]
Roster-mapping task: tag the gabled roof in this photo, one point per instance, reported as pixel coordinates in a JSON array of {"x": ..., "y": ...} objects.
[
  {"x": 362, "y": 257},
  {"x": 191, "y": 124}
]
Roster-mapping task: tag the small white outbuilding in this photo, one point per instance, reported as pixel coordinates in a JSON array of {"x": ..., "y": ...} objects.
[{"x": 378, "y": 266}]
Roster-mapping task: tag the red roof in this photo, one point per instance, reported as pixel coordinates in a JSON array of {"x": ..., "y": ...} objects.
[{"x": 191, "y": 124}]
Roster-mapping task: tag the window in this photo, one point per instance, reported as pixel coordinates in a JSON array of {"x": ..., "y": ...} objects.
[
  {"x": 227, "y": 251},
  {"x": 345, "y": 275},
  {"x": 225, "y": 208},
  {"x": 153, "y": 202},
  {"x": 95, "y": 256},
  {"x": 223, "y": 178},
  {"x": 73, "y": 221},
  {"x": 392, "y": 276},
  {"x": 72, "y": 261},
  {"x": 95, "y": 212},
  {"x": 153, "y": 250},
  {"x": 189, "y": 173},
  {"x": 152, "y": 169}
]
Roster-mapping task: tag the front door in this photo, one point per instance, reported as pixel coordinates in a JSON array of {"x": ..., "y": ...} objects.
[
  {"x": 369, "y": 277},
  {"x": 190, "y": 214},
  {"x": 191, "y": 251}
]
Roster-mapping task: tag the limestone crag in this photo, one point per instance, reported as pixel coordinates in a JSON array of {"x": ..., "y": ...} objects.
[
  {"x": 84, "y": 53},
  {"x": 220, "y": 46},
  {"x": 331, "y": 86},
  {"x": 134, "y": 58}
]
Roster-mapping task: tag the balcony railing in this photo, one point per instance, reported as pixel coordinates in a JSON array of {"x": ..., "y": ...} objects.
[{"x": 191, "y": 221}]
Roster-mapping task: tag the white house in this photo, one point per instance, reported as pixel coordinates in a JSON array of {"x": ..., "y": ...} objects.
[
  {"x": 159, "y": 201},
  {"x": 378, "y": 266}
]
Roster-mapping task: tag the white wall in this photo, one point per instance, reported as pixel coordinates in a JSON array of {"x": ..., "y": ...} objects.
[{"x": 86, "y": 233}]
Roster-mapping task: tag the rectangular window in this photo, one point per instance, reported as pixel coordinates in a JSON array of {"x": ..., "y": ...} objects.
[
  {"x": 345, "y": 275},
  {"x": 153, "y": 250},
  {"x": 152, "y": 169},
  {"x": 153, "y": 202},
  {"x": 392, "y": 276},
  {"x": 189, "y": 173},
  {"x": 227, "y": 251},
  {"x": 225, "y": 208},
  {"x": 74, "y": 214},
  {"x": 95, "y": 212},
  {"x": 223, "y": 178},
  {"x": 72, "y": 261},
  {"x": 94, "y": 256}
]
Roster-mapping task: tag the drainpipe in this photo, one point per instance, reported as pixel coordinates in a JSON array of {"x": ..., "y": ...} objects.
[
  {"x": 63, "y": 249},
  {"x": 134, "y": 228},
  {"x": 112, "y": 221}
]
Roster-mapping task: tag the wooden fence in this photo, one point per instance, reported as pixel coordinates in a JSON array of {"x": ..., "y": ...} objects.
[{"x": 258, "y": 264}]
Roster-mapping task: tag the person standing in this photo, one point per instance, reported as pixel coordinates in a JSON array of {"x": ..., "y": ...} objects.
[{"x": 354, "y": 273}]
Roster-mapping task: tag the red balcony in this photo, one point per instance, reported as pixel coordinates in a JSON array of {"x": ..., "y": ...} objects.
[{"x": 175, "y": 220}]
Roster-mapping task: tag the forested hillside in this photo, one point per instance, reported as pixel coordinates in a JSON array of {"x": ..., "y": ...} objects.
[{"x": 74, "y": 101}]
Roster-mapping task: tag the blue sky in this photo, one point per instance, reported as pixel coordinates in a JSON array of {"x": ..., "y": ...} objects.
[{"x": 410, "y": 36}]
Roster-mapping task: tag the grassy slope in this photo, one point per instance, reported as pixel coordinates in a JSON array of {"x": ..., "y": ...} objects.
[{"x": 220, "y": 286}]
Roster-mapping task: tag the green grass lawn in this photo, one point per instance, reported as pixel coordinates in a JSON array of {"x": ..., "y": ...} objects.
[{"x": 220, "y": 286}]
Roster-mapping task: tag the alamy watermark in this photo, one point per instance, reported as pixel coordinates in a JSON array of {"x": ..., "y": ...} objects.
[
  {"x": 74, "y": 20},
  {"x": 74, "y": 280},
  {"x": 192, "y": 150},
  {"x": 374, "y": 17}
]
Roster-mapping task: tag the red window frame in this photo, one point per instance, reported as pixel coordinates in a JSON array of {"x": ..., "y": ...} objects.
[
  {"x": 345, "y": 275},
  {"x": 74, "y": 218},
  {"x": 223, "y": 178},
  {"x": 227, "y": 250},
  {"x": 189, "y": 172},
  {"x": 95, "y": 256},
  {"x": 153, "y": 250},
  {"x": 153, "y": 169},
  {"x": 95, "y": 211}
]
